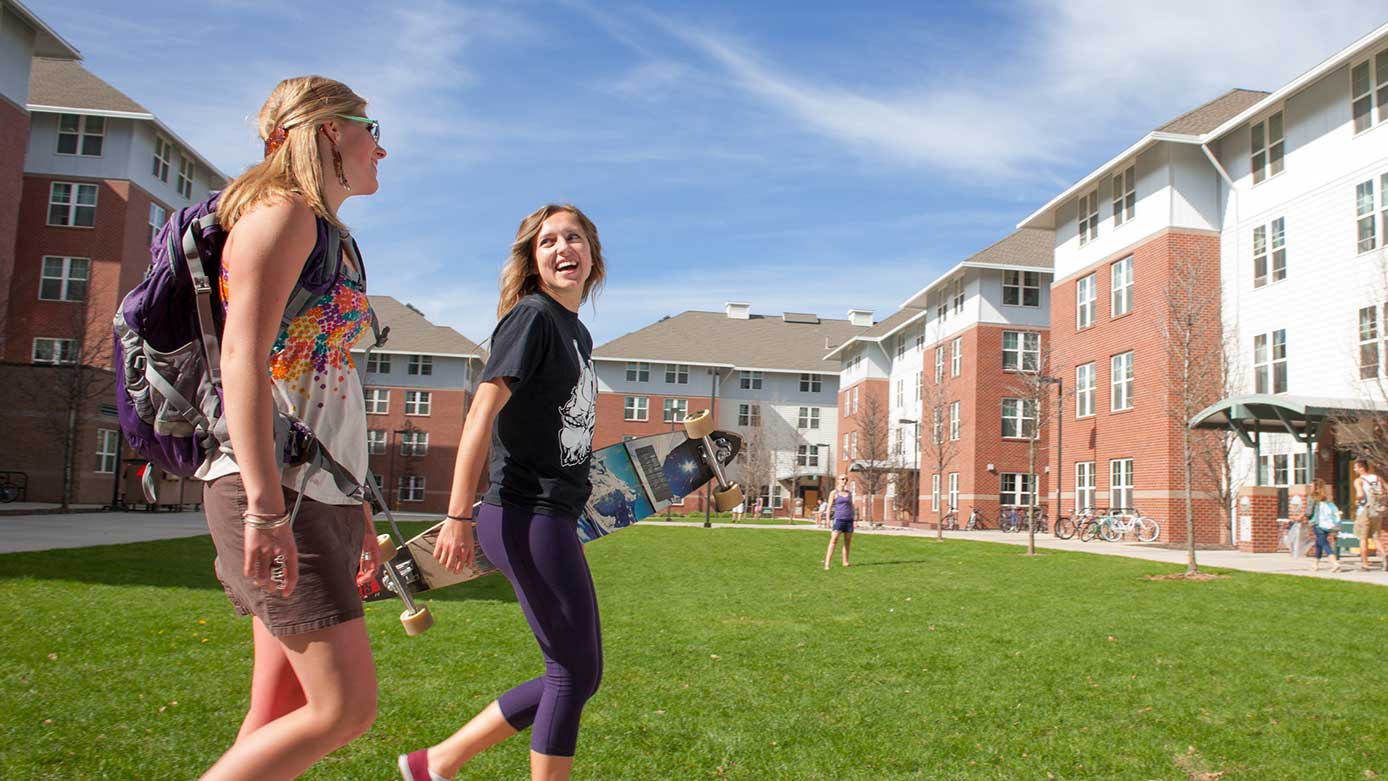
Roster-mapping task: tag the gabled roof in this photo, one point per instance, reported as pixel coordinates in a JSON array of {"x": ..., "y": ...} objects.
[
  {"x": 1026, "y": 249},
  {"x": 761, "y": 342},
  {"x": 59, "y": 86},
  {"x": 1209, "y": 116},
  {"x": 881, "y": 331},
  {"x": 47, "y": 43},
  {"x": 412, "y": 334}
]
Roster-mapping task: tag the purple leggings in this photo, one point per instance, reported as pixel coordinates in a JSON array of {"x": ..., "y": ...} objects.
[{"x": 543, "y": 559}]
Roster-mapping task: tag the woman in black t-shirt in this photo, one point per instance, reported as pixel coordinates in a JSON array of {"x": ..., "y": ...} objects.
[{"x": 536, "y": 407}]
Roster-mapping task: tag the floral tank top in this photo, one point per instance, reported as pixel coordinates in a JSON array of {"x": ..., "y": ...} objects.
[{"x": 315, "y": 380}]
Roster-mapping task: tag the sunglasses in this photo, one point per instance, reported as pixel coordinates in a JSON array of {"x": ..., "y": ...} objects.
[{"x": 372, "y": 125}]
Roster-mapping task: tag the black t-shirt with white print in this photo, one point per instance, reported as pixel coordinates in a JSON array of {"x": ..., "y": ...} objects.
[{"x": 543, "y": 437}]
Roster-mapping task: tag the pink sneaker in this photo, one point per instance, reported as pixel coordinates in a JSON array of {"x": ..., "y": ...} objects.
[{"x": 414, "y": 766}]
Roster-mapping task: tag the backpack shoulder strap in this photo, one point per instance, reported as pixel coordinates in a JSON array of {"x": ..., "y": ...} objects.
[{"x": 191, "y": 256}]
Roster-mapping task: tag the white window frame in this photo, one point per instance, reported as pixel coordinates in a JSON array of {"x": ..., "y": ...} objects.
[
  {"x": 163, "y": 155},
  {"x": 82, "y": 133},
  {"x": 900, "y": 392},
  {"x": 376, "y": 442},
  {"x": 811, "y": 383},
  {"x": 1366, "y": 229},
  {"x": 48, "y": 351},
  {"x": 638, "y": 371},
  {"x": 420, "y": 366},
  {"x": 377, "y": 400},
  {"x": 749, "y": 380},
  {"x": 954, "y": 491},
  {"x": 920, "y": 381},
  {"x": 636, "y": 408},
  {"x": 1270, "y": 362},
  {"x": 673, "y": 406},
  {"x": 1020, "y": 414},
  {"x": 939, "y": 364},
  {"x": 1020, "y": 493},
  {"x": 855, "y": 401},
  {"x": 1088, "y": 214},
  {"x": 1086, "y": 384},
  {"x": 1374, "y": 82},
  {"x": 1023, "y": 285},
  {"x": 1369, "y": 354},
  {"x": 808, "y": 418},
  {"x": 677, "y": 374},
  {"x": 378, "y": 363},
  {"x": 935, "y": 492},
  {"x": 107, "y": 450},
  {"x": 956, "y": 357},
  {"x": 410, "y": 488},
  {"x": 1028, "y": 346},
  {"x": 1120, "y": 483},
  {"x": 807, "y": 456},
  {"x": 1085, "y": 485},
  {"x": 854, "y": 436},
  {"x": 1121, "y": 278},
  {"x": 67, "y": 279},
  {"x": 414, "y": 443},
  {"x": 843, "y": 451},
  {"x": 749, "y": 415},
  {"x": 954, "y": 421},
  {"x": 959, "y": 296},
  {"x": 1086, "y": 300},
  {"x": 1124, "y": 192},
  {"x": 1266, "y": 145},
  {"x": 158, "y": 215},
  {"x": 1270, "y": 253},
  {"x": 1122, "y": 373},
  {"x": 422, "y": 403},
  {"x": 186, "y": 169},
  {"x": 72, "y": 207}
]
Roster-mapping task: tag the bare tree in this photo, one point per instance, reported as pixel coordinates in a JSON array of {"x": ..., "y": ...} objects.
[
  {"x": 1215, "y": 450},
  {"x": 1032, "y": 386},
  {"x": 1198, "y": 360},
  {"x": 761, "y": 441},
  {"x": 937, "y": 448},
  {"x": 872, "y": 462}
]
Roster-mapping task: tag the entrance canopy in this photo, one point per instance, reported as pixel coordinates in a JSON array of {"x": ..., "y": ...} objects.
[{"x": 1307, "y": 419}]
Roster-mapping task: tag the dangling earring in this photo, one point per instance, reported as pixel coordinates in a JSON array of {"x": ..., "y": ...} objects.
[{"x": 337, "y": 167}]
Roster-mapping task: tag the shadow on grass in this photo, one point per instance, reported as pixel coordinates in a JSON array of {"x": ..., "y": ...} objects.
[{"x": 855, "y": 565}]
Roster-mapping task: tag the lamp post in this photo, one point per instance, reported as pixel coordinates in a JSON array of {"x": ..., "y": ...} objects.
[
  {"x": 916, "y": 469},
  {"x": 1059, "y": 439}
]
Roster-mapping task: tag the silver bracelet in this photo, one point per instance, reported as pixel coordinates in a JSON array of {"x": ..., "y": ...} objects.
[{"x": 264, "y": 520}]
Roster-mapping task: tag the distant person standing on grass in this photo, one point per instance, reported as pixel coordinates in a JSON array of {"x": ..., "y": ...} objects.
[
  {"x": 1370, "y": 506},
  {"x": 842, "y": 508}
]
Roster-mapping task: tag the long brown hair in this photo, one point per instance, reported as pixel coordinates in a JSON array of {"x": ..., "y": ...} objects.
[
  {"x": 1319, "y": 492},
  {"x": 519, "y": 276},
  {"x": 289, "y": 122}
]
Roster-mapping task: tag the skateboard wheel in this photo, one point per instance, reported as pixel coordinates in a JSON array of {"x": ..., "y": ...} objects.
[
  {"x": 418, "y": 622},
  {"x": 699, "y": 426},
  {"x": 727, "y": 500},
  {"x": 388, "y": 548}
]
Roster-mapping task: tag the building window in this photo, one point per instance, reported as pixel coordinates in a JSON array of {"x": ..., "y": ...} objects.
[
  {"x": 959, "y": 296},
  {"x": 954, "y": 421},
  {"x": 920, "y": 378},
  {"x": 811, "y": 383},
  {"x": 79, "y": 134},
  {"x": 1274, "y": 251},
  {"x": 107, "y": 445},
  {"x": 843, "y": 451},
  {"x": 377, "y": 401},
  {"x": 935, "y": 492},
  {"x": 1265, "y": 141},
  {"x": 376, "y": 442},
  {"x": 636, "y": 408},
  {"x": 901, "y": 392},
  {"x": 1017, "y": 489},
  {"x": 677, "y": 373},
  {"x": 1084, "y": 389},
  {"x": 1368, "y": 342},
  {"x": 414, "y": 443},
  {"x": 1018, "y": 419},
  {"x": 1084, "y": 485},
  {"x": 411, "y": 488},
  {"x": 420, "y": 365},
  {"x": 939, "y": 420},
  {"x": 939, "y": 364},
  {"x": 1120, "y": 484},
  {"x": 807, "y": 456},
  {"x": 1125, "y": 195},
  {"x": 638, "y": 372},
  {"x": 749, "y": 380},
  {"x": 378, "y": 363},
  {"x": 163, "y": 153},
  {"x": 72, "y": 204},
  {"x": 64, "y": 279},
  {"x": 55, "y": 352},
  {"x": 1020, "y": 289},
  {"x": 809, "y": 418},
  {"x": 1270, "y": 362},
  {"x": 676, "y": 410},
  {"x": 942, "y": 308},
  {"x": 1086, "y": 299},
  {"x": 1089, "y": 217},
  {"x": 1364, "y": 214},
  {"x": 954, "y": 490},
  {"x": 1121, "y": 380},
  {"x": 772, "y": 496},
  {"x": 956, "y": 357},
  {"x": 749, "y": 415},
  {"x": 855, "y": 401},
  {"x": 418, "y": 402},
  {"x": 900, "y": 346},
  {"x": 158, "y": 215},
  {"x": 1122, "y": 277},
  {"x": 1283, "y": 470},
  {"x": 1366, "y": 79},
  {"x": 1021, "y": 351},
  {"x": 185, "y": 177}
]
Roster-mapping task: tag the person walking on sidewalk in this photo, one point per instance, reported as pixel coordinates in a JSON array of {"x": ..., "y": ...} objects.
[
  {"x": 1370, "y": 508},
  {"x": 1324, "y": 518},
  {"x": 841, "y": 505}
]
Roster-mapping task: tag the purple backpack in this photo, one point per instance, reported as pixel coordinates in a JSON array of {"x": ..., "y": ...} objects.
[{"x": 168, "y": 347}]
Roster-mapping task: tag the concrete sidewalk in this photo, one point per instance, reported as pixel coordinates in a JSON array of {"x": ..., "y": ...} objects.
[{"x": 79, "y": 530}]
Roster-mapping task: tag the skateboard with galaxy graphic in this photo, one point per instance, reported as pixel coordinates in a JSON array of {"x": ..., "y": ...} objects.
[{"x": 632, "y": 481}]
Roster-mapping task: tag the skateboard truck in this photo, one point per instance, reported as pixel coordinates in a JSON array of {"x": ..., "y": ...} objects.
[
  {"x": 700, "y": 427},
  {"x": 416, "y": 619}
]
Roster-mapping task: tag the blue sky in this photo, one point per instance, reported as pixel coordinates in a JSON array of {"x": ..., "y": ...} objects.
[{"x": 800, "y": 156}]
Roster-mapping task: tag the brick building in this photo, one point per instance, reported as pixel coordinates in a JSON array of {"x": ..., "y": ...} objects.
[
  {"x": 763, "y": 376},
  {"x": 957, "y": 352},
  {"x": 417, "y": 389},
  {"x": 99, "y": 174}
]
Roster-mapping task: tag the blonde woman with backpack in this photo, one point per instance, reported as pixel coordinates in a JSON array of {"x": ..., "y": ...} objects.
[
  {"x": 313, "y": 684},
  {"x": 1371, "y": 505}
]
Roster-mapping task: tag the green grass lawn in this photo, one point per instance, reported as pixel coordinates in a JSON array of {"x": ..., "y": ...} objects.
[
  {"x": 732, "y": 654},
  {"x": 728, "y": 518}
]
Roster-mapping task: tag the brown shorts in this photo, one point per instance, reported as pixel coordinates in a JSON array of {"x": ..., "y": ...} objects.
[
  {"x": 1364, "y": 526},
  {"x": 329, "y": 537}
]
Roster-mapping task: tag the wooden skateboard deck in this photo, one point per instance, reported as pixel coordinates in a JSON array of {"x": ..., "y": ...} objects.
[{"x": 632, "y": 481}]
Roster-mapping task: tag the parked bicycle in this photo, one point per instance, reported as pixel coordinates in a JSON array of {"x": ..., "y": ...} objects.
[
  {"x": 977, "y": 520},
  {"x": 1009, "y": 520},
  {"x": 951, "y": 520},
  {"x": 1127, "y": 520}
]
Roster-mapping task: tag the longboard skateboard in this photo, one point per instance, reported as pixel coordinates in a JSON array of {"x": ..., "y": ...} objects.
[{"x": 632, "y": 481}]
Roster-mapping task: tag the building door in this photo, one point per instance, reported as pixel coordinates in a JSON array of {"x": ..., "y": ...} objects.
[{"x": 1341, "y": 479}]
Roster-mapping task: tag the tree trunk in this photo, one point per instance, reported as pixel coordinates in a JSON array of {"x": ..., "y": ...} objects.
[
  {"x": 68, "y": 443},
  {"x": 1031, "y": 499},
  {"x": 1187, "y": 457}
]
